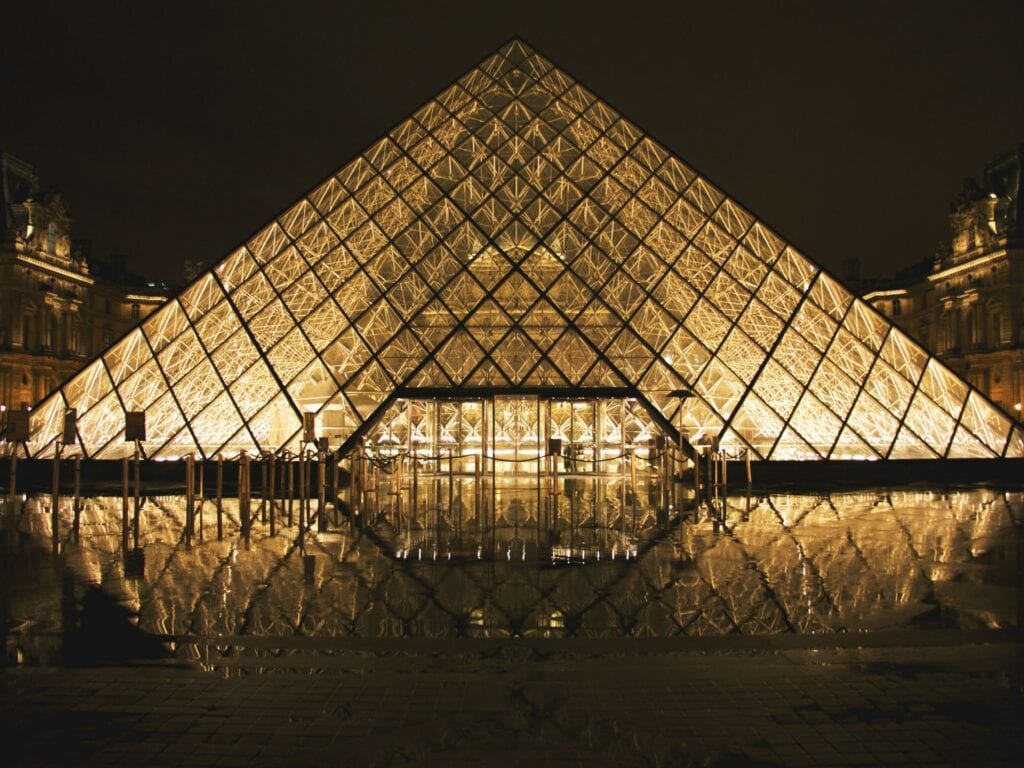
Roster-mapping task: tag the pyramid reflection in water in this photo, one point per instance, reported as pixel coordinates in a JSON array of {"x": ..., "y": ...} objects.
[{"x": 793, "y": 564}]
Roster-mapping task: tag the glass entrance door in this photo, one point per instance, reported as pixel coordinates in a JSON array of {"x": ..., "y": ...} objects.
[{"x": 514, "y": 474}]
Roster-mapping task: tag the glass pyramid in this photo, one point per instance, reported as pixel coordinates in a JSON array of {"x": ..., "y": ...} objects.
[{"x": 518, "y": 234}]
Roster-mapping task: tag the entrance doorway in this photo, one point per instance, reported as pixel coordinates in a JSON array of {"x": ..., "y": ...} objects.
[{"x": 509, "y": 473}]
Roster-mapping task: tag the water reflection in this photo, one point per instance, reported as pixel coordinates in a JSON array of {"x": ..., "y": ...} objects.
[{"x": 780, "y": 564}]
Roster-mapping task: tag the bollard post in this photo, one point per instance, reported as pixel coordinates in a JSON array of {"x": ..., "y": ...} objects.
[
  {"x": 632, "y": 485},
  {"x": 263, "y": 488},
  {"x": 55, "y": 499},
  {"x": 302, "y": 490},
  {"x": 396, "y": 492},
  {"x": 335, "y": 479},
  {"x": 78, "y": 494},
  {"x": 477, "y": 491},
  {"x": 138, "y": 494},
  {"x": 553, "y": 520},
  {"x": 725, "y": 482},
  {"x": 451, "y": 492},
  {"x": 696, "y": 480},
  {"x": 124, "y": 503},
  {"x": 321, "y": 496},
  {"x": 713, "y": 463},
  {"x": 353, "y": 482},
  {"x": 414, "y": 491},
  {"x": 289, "y": 465},
  {"x": 220, "y": 496},
  {"x": 272, "y": 491},
  {"x": 189, "y": 499},
  {"x": 12, "y": 498},
  {"x": 199, "y": 472},
  {"x": 750, "y": 482},
  {"x": 243, "y": 496}
]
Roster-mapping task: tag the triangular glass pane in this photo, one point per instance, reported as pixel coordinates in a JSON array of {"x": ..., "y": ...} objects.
[
  {"x": 742, "y": 355},
  {"x": 686, "y": 355},
  {"x": 275, "y": 425},
  {"x": 945, "y": 389},
  {"x": 543, "y": 323},
  {"x": 516, "y": 355},
  {"x": 544, "y": 374},
  {"x": 791, "y": 447},
  {"x": 488, "y": 324},
  {"x": 125, "y": 357},
  {"x": 88, "y": 387},
  {"x": 572, "y": 355},
  {"x": 600, "y": 323},
  {"x": 432, "y": 325},
  {"x": 217, "y": 424},
  {"x": 603, "y": 375},
  {"x": 143, "y": 387},
  {"x": 698, "y": 422},
  {"x": 834, "y": 388},
  {"x": 904, "y": 355},
  {"x": 314, "y": 387},
  {"x": 459, "y": 356},
  {"x": 323, "y": 324},
  {"x": 815, "y": 423},
  {"x": 757, "y": 424},
  {"x": 487, "y": 374},
  {"x": 776, "y": 386},
  {"x": 429, "y": 375},
  {"x": 346, "y": 355},
  {"x": 986, "y": 422},
  {"x": 909, "y": 446},
  {"x": 874, "y": 423},
  {"x": 849, "y": 447},
  {"x": 290, "y": 356},
  {"x": 966, "y": 446},
  {"x": 720, "y": 388},
  {"x": 254, "y": 389}
]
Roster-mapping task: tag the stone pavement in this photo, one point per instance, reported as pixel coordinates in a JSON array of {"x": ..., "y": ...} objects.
[{"x": 938, "y": 698}]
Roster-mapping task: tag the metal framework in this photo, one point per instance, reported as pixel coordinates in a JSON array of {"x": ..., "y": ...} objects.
[{"x": 517, "y": 232}]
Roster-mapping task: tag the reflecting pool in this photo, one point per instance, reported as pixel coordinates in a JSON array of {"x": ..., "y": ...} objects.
[{"x": 849, "y": 562}]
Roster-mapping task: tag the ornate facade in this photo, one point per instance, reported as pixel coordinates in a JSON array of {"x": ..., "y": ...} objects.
[
  {"x": 57, "y": 310},
  {"x": 967, "y": 303}
]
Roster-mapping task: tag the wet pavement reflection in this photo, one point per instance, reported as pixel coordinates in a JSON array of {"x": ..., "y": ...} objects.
[{"x": 850, "y": 562}]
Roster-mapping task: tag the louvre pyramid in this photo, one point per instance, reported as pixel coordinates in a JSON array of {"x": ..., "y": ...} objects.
[{"x": 517, "y": 233}]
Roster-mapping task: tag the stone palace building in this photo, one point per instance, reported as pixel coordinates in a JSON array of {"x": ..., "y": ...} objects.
[{"x": 58, "y": 307}]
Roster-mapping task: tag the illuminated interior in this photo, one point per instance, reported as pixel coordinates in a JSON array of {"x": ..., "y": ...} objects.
[
  {"x": 528, "y": 462},
  {"x": 518, "y": 233}
]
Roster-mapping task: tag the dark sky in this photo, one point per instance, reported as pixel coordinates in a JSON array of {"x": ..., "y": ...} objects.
[{"x": 177, "y": 130}]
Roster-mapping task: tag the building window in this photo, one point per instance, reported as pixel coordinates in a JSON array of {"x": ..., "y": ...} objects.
[
  {"x": 136, "y": 312},
  {"x": 896, "y": 307},
  {"x": 997, "y": 329}
]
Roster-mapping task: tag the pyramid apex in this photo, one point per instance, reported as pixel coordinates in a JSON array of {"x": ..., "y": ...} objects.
[{"x": 516, "y": 50}]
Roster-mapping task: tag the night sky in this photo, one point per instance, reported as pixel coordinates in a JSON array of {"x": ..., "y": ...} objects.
[{"x": 176, "y": 130}]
